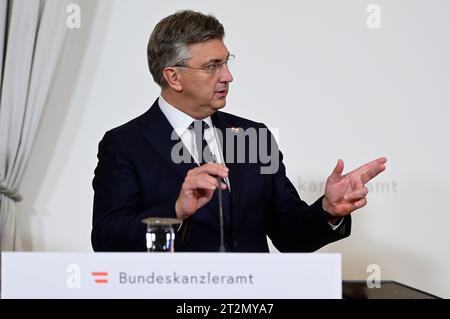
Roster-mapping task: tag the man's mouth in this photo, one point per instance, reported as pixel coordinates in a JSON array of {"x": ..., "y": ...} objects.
[{"x": 221, "y": 93}]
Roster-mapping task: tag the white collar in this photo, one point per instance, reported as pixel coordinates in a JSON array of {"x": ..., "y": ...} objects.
[{"x": 179, "y": 120}]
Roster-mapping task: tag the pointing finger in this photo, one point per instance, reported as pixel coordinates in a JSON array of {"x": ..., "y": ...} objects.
[{"x": 367, "y": 176}]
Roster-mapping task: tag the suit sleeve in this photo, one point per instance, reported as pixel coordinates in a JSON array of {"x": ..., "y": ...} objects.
[
  {"x": 117, "y": 215},
  {"x": 296, "y": 226}
]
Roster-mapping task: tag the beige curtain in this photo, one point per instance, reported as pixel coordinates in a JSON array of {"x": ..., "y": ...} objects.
[{"x": 32, "y": 34}]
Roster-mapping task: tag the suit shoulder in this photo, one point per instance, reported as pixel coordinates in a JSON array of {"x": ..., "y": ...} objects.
[
  {"x": 126, "y": 129},
  {"x": 238, "y": 121}
]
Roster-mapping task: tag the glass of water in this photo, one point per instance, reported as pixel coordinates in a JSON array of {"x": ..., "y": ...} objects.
[{"x": 160, "y": 236}]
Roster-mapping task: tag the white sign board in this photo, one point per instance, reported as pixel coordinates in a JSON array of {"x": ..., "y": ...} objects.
[{"x": 170, "y": 275}]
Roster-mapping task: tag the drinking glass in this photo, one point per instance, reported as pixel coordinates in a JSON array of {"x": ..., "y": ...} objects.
[{"x": 160, "y": 236}]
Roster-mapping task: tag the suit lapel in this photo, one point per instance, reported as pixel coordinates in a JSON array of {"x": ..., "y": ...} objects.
[{"x": 156, "y": 129}]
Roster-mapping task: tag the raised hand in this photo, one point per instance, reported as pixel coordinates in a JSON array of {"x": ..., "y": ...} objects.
[
  {"x": 346, "y": 193},
  {"x": 198, "y": 188}
]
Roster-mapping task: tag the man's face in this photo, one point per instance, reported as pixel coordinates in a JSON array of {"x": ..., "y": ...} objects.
[{"x": 206, "y": 90}]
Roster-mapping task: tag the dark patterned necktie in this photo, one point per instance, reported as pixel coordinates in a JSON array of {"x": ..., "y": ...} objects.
[{"x": 204, "y": 155}]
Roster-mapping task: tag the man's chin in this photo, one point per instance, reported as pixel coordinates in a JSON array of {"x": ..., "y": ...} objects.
[{"x": 217, "y": 105}]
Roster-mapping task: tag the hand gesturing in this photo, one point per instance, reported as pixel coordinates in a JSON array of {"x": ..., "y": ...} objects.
[{"x": 346, "y": 193}]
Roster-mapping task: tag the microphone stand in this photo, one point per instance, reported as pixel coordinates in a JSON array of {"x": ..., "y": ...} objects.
[
  {"x": 222, "y": 245},
  {"x": 219, "y": 193}
]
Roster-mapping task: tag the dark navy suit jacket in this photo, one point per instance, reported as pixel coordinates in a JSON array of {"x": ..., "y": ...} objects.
[{"x": 136, "y": 178}]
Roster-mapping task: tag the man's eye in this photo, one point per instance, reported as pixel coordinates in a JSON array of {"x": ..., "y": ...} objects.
[{"x": 212, "y": 66}]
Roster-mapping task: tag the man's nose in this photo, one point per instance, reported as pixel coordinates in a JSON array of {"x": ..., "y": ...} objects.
[{"x": 225, "y": 74}]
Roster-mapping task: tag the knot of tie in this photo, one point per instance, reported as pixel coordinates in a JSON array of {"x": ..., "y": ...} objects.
[{"x": 199, "y": 126}]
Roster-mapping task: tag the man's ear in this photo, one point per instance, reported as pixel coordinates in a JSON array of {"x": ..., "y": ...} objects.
[{"x": 173, "y": 78}]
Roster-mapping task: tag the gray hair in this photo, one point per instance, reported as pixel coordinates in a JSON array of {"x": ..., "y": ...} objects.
[{"x": 169, "y": 41}]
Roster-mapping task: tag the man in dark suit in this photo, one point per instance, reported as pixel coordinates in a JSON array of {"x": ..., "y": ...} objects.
[{"x": 172, "y": 160}]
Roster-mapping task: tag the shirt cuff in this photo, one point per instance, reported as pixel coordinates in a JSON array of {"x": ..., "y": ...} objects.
[{"x": 334, "y": 227}]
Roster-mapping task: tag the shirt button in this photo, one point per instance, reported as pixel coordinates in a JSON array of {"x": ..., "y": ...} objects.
[{"x": 234, "y": 243}]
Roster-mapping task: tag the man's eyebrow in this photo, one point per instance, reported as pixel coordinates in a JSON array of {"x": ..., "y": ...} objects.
[{"x": 217, "y": 60}]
